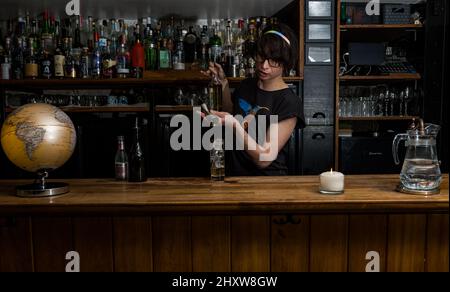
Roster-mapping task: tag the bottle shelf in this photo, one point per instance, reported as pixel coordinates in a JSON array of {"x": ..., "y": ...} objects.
[
  {"x": 237, "y": 80},
  {"x": 396, "y": 76},
  {"x": 390, "y": 118},
  {"x": 380, "y": 26},
  {"x": 99, "y": 109},
  {"x": 173, "y": 108},
  {"x": 186, "y": 77}
]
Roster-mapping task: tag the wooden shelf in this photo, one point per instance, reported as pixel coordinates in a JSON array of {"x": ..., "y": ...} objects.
[
  {"x": 400, "y": 76},
  {"x": 173, "y": 108},
  {"x": 100, "y": 109},
  {"x": 380, "y": 26},
  {"x": 237, "y": 80},
  {"x": 392, "y": 118},
  {"x": 150, "y": 78}
]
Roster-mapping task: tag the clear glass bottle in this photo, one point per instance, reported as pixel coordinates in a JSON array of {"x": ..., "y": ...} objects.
[
  {"x": 85, "y": 64},
  {"x": 96, "y": 68},
  {"x": 178, "y": 57},
  {"x": 109, "y": 62},
  {"x": 137, "y": 161},
  {"x": 215, "y": 94},
  {"x": 217, "y": 159},
  {"x": 5, "y": 68},
  {"x": 123, "y": 59},
  {"x": 121, "y": 160}
]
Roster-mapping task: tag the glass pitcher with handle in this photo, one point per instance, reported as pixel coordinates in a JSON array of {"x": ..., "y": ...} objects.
[{"x": 421, "y": 172}]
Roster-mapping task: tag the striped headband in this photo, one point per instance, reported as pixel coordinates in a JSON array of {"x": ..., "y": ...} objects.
[{"x": 279, "y": 34}]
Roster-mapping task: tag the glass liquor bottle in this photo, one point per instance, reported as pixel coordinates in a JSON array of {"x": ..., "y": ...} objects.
[
  {"x": 150, "y": 51},
  {"x": 96, "y": 68},
  {"x": 31, "y": 63},
  {"x": 18, "y": 60},
  {"x": 123, "y": 59},
  {"x": 71, "y": 66},
  {"x": 215, "y": 43},
  {"x": 121, "y": 160},
  {"x": 164, "y": 56},
  {"x": 178, "y": 57},
  {"x": 138, "y": 57},
  {"x": 85, "y": 63},
  {"x": 59, "y": 62},
  {"x": 5, "y": 66},
  {"x": 215, "y": 94},
  {"x": 137, "y": 161},
  {"x": 46, "y": 63},
  {"x": 109, "y": 62},
  {"x": 217, "y": 160},
  {"x": 191, "y": 44}
]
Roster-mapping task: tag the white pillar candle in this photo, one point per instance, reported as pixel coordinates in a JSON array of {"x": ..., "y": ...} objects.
[{"x": 332, "y": 181}]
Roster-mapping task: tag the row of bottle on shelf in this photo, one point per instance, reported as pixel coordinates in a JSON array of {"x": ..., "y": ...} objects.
[
  {"x": 372, "y": 101},
  {"x": 191, "y": 96},
  {"x": 76, "y": 99},
  {"x": 45, "y": 47}
]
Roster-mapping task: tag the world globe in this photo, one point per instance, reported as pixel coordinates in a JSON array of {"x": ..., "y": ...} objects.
[{"x": 38, "y": 137}]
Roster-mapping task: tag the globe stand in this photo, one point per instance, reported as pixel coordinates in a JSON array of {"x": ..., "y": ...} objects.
[{"x": 41, "y": 188}]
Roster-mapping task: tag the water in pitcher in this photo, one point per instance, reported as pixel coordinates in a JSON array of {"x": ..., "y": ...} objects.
[{"x": 421, "y": 174}]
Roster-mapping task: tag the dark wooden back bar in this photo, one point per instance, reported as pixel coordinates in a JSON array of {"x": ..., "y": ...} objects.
[{"x": 243, "y": 224}]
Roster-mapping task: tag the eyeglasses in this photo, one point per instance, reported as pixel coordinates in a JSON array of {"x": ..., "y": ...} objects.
[{"x": 272, "y": 63}]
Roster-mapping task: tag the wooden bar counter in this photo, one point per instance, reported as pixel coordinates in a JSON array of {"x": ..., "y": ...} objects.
[{"x": 243, "y": 224}]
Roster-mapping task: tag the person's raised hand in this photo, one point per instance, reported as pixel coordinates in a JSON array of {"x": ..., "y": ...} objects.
[{"x": 215, "y": 69}]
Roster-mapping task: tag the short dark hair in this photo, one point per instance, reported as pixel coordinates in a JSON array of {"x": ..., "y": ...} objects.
[{"x": 274, "y": 47}]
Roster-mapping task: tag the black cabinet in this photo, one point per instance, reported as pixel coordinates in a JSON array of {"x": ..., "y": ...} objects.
[
  {"x": 368, "y": 155},
  {"x": 317, "y": 149},
  {"x": 319, "y": 95}
]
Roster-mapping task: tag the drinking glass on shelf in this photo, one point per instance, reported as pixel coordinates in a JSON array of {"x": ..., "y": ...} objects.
[
  {"x": 179, "y": 97},
  {"x": 406, "y": 100},
  {"x": 342, "y": 107},
  {"x": 401, "y": 103},
  {"x": 349, "y": 107}
]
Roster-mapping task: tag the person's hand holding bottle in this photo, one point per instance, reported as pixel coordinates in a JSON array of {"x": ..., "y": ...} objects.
[{"x": 215, "y": 69}]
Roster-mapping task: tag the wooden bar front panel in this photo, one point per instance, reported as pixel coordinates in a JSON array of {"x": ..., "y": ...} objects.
[
  {"x": 211, "y": 244},
  {"x": 15, "y": 245},
  {"x": 404, "y": 242}
]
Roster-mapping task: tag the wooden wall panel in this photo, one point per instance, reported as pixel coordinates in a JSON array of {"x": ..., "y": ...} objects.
[
  {"x": 52, "y": 240},
  {"x": 406, "y": 243},
  {"x": 290, "y": 244},
  {"x": 172, "y": 251},
  {"x": 133, "y": 244},
  {"x": 211, "y": 244},
  {"x": 93, "y": 241},
  {"x": 437, "y": 243},
  {"x": 329, "y": 237},
  {"x": 250, "y": 244},
  {"x": 367, "y": 233},
  {"x": 15, "y": 245}
]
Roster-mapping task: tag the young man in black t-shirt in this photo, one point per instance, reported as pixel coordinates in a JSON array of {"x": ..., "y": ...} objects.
[{"x": 268, "y": 95}]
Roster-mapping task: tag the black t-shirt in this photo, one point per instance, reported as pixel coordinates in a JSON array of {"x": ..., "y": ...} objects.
[{"x": 282, "y": 103}]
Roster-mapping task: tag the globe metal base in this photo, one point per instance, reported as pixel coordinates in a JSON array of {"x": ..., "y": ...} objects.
[{"x": 38, "y": 190}]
